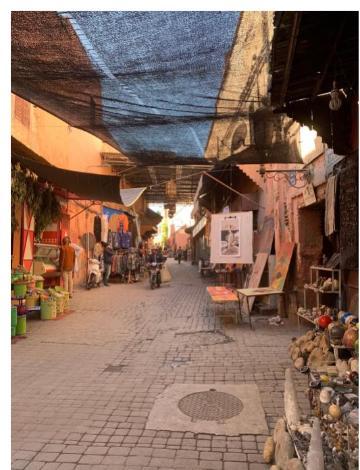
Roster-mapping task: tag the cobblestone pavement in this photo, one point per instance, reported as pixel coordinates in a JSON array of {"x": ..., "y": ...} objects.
[{"x": 83, "y": 386}]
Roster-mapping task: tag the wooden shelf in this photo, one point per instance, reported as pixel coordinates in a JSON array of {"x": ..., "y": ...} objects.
[
  {"x": 314, "y": 289},
  {"x": 315, "y": 279},
  {"x": 322, "y": 268},
  {"x": 305, "y": 318}
]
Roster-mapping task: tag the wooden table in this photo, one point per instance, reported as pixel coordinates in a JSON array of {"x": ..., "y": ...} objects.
[
  {"x": 223, "y": 295},
  {"x": 254, "y": 292}
]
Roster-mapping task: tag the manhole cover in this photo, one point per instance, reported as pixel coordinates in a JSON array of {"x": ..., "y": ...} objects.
[{"x": 210, "y": 406}]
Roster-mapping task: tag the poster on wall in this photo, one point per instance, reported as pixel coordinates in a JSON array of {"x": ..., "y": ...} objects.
[{"x": 232, "y": 238}]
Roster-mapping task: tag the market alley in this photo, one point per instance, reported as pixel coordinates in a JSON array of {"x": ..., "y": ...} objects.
[{"x": 83, "y": 387}]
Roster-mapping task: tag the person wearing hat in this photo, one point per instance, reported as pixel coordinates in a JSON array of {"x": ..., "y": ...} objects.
[{"x": 108, "y": 257}]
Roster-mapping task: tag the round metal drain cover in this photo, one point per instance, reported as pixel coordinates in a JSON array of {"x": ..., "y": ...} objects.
[{"x": 210, "y": 406}]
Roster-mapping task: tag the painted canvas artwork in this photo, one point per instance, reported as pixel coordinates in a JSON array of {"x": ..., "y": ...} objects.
[{"x": 283, "y": 259}]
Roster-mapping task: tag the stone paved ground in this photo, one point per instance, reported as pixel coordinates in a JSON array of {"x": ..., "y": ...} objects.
[{"x": 68, "y": 412}]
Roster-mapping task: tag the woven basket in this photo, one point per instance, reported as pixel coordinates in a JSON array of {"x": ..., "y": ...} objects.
[
  {"x": 66, "y": 296},
  {"x": 20, "y": 289},
  {"x": 32, "y": 301},
  {"x": 48, "y": 310},
  {"x": 59, "y": 305}
]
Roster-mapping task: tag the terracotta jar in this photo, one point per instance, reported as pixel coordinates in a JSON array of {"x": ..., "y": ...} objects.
[{"x": 350, "y": 337}]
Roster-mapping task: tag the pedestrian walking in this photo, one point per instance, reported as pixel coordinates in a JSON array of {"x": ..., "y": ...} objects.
[
  {"x": 108, "y": 257},
  {"x": 67, "y": 264}
]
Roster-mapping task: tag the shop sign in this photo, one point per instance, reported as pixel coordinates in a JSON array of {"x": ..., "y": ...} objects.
[
  {"x": 309, "y": 195},
  {"x": 199, "y": 226}
]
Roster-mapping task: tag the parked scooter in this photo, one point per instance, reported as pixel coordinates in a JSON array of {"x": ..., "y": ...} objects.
[
  {"x": 95, "y": 273},
  {"x": 155, "y": 275}
]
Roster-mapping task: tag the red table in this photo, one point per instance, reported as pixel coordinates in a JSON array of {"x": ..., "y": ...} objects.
[{"x": 223, "y": 295}]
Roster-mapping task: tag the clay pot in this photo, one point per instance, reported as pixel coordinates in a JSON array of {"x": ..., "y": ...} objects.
[
  {"x": 299, "y": 363},
  {"x": 350, "y": 337},
  {"x": 349, "y": 319},
  {"x": 326, "y": 395},
  {"x": 269, "y": 450},
  {"x": 295, "y": 353},
  {"x": 316, "y": 358},
  {"x": 336, "y": 333},
  {"x": 334, "y": 411},
  {"x": 344, "y": 317},
  {"x": 353, "y": 417},
  {"x": 354, "y": 364},
  {"x": 324, "y": 321},
  {"x": 342, "y": 367},
  {"x": 340, "y": 314},
  {"x": 354, "y": 377}
]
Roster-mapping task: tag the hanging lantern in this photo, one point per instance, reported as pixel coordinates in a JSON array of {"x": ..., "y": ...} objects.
[
  {"x": 171, "y": 208},
  {"x": 335, "y": 101},
  {"x": 170, "y": 189}
]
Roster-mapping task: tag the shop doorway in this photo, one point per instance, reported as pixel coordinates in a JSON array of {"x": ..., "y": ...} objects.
[{"x": 314, "y": 248}]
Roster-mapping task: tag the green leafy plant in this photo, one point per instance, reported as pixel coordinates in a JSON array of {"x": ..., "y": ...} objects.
[
  {"x": 49, "y": 210},
  {"x": 42, "y": 202}
]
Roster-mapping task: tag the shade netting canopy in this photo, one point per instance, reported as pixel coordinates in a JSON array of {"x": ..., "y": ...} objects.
[{"x": 145, "y": 82}]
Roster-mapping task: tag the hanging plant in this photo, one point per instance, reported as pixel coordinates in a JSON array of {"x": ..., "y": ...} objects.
[
  {"x": 18, "y": 185},
  {"x": 14, "y": 221},
  {"x": 42, "y": 202},
  {"x": 33, "y": 195},
  {"x": 18, "y": 192},
  {"x": 49, "y": 210}
]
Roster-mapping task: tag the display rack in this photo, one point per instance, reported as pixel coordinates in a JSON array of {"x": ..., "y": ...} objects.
[
  {"x": 314, "y": 278},
  {"x": 303, "y": 317}
]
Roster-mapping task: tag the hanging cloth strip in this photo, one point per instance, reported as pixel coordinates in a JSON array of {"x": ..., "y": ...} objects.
[
  {"x": 97, "y": 228},
  {"x": 114, "y": 222},
  {"x": 330, "y": 203},
  {"x": 104, "y": 228}
]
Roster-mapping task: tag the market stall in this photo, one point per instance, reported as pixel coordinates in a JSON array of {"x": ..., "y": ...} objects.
[
  {"x": 29, "y": 298},
  {"x": 328, "y": 437}
]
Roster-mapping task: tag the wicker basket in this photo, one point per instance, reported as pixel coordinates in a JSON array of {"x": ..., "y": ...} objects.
[
  {"x": 66, "y": 295},
  {"x": 59, "y": 299},
  {"x": 48, "y": 309},
  {"x": 32, "y": 301}
]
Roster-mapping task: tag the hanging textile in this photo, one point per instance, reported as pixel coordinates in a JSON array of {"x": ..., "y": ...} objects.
[
  {"x": 97, "y": 228},
  {"x": 115, "y": 242},
  {"x": 114, "y": 222},
  {"x": 78, "y": 250},
  {"x": 330, "y": 203},
  {"x": 28, "y": 229},
  {"x": 123, "y": 222},
  {"x": 109, "y": 238},
  {"x": 124, "y": 240},
  {"x": 232, "y": 238},
  {"x": 104, "y": 228}
]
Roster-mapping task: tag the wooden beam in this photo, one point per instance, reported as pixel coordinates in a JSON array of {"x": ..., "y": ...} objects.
[
  {"x": 329, "y": 59},
  {"x": 290, "y": 56}
]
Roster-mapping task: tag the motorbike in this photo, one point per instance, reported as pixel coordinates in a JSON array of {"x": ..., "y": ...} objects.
[
  {"x": 95, "y": 273},
  {"x": 154, "y": 275}
]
